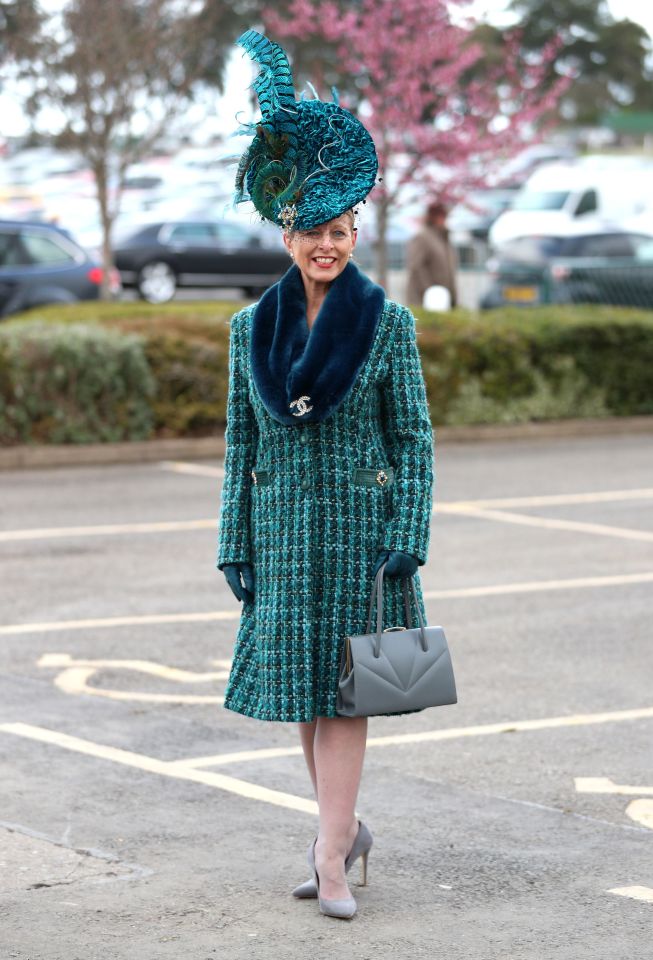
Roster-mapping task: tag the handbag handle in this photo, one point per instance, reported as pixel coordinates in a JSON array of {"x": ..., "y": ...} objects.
[
  {"x": 377, "y": 590},
  {"x": 380, "y": 606},
  {"x": 373, "y": 594}
]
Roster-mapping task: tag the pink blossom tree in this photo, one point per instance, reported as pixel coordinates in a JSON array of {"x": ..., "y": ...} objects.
[{"x": 441, "y": 114}]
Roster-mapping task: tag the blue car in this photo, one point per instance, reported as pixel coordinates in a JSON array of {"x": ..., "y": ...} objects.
[{"x": 42, "y": 264}]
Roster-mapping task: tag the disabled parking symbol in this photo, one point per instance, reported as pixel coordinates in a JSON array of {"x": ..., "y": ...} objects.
[{"x": 75, "y": 675}]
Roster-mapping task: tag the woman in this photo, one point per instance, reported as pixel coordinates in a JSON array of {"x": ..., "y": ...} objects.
[{"x": 329, "y": 460}]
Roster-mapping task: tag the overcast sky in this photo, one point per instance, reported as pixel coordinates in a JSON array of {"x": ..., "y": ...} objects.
[
  {"x": 240, "y": 73},
  {"x": 639, "y": 10}
]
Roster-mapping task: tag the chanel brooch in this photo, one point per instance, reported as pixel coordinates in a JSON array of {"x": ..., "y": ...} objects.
[{"x": 301, "y": 407}]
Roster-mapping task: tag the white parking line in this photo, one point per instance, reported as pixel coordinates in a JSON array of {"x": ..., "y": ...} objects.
[
  {"x": 75, "y": 675},
  {"x": 194, "y": 469},
  {"x": 107, "y": 529},
  {"x": 457, "y": 593},
  {"x": 448, "y": 733},
  {"x": 552, "y": 500},
  {"x": 537, "y": 586},
  {"x": 606, "y": 785},
  {"x": 243, "y": 756},
  {"x": 188, "y": 768},
  {"x": 641, "y": 811},
  {"x": 547, "y": 500},
  {"x": 550, "y": 523},
  {"x": 104, "y": 622},
  {"x": 634, "y": 893},
  {"x": 142, "y": 762},
  {"x": 479, "y": 508}
]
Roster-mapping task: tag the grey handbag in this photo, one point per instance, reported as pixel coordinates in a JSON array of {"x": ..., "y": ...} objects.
[{"x": 397, "y": 669}]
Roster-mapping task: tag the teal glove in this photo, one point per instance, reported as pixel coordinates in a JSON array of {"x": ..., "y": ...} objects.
[
  {"x": 399, "y": 564},
  {"x": 233, "y": 572}
]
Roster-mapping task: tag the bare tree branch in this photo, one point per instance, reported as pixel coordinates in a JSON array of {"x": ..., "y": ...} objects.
[{"x": 119, "y": 73}]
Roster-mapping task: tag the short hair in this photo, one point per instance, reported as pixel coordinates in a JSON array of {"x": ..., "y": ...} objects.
[
  {"x": 350, "y": 214},
  {"x": 436, "y": 209}
]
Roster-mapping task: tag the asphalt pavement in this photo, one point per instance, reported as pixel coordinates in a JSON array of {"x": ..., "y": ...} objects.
[{"x": 142, "y": 821}]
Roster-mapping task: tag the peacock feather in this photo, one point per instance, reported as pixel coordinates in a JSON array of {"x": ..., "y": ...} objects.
[
  {"x": 269, "y": 168},
  {"x": 274, "y": 84}
]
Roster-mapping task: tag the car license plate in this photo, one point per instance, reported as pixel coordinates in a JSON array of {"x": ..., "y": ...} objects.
[{"x": 520, "y": 294}]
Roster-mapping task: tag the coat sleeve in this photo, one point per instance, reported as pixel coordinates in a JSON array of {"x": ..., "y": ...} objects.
[
  {"x": 241, "y": 436},
  {"x": 410, "y": 443}
]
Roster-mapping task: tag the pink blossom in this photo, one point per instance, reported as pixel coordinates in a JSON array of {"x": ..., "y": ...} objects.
[{"x": 426, "y": 102}]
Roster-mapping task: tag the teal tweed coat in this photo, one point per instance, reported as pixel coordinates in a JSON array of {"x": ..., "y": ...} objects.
[{"x": 305, "y": 504}]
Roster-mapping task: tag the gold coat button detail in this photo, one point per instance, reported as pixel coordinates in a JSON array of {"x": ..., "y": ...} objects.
[
  {"x": 254, "y": 476},
  {"x": 382, "y": 478}
]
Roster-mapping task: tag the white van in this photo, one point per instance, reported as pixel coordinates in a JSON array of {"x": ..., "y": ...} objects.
[{"x": 559, "y": 195}]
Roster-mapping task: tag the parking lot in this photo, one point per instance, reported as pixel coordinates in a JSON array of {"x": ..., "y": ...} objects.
[{"x": 142, "y": 821}]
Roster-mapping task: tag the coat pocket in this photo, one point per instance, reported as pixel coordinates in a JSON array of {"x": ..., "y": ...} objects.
[
  {"x": 260, "y": 477},
  {"x": 374, "y": 477}
]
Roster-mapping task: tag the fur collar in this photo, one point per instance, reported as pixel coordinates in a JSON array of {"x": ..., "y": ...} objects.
[{"x": 289, "y": 361}]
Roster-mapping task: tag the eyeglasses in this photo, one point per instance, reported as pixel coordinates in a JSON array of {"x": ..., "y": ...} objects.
[{"x": 336, "y": 235}]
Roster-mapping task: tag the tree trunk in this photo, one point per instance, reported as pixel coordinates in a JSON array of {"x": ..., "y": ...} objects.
[
  {"x": 106, "y": 219},
  {"x": 382, "y": 242}
]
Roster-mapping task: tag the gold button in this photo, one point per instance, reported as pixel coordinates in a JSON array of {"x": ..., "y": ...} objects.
[
  {"x": 382, "y": 478},
  {"x": 253, "y": 476}
]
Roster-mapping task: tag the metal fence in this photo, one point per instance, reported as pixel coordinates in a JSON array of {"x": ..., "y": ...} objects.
[
  {"x": 625, "y": 282},
  {"x": 617, "y": 281}
]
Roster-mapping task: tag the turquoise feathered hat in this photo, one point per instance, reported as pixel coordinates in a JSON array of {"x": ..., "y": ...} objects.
[{"x": 309, "y": 160}]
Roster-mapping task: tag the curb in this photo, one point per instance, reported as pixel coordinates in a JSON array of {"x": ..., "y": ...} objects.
[
  {"x": 91, "y": 454},
  {"x": 546, "y": 429},
  {"x": 199, "y": 448}
]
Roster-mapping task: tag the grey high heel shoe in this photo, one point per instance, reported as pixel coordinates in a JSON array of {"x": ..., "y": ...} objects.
[
  {"x": 343, "y": 909},
  {"x": 361, "y": 848}
]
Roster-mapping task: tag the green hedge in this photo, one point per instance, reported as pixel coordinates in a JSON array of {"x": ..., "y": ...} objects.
[
  {"x": 543, "y": 363},
  {"x": 72, "y": 384},
  {"x": 93, "y": 372},
  {"x": 185, "y": 349}
]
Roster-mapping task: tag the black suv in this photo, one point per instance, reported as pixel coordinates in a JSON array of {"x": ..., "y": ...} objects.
[
  {"x": 156, "y": 258},
  {"x": 41, "y": 264}
]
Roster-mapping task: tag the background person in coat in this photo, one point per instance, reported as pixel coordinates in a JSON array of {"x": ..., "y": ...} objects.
[
  {"x": 431, "y": 259},
  {"x": 328, "y": 467}
]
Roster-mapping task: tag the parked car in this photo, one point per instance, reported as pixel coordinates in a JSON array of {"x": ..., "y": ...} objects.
[
  {"x": 559, "y": 197},
  {"x": 397, "y": 239},
  {"x": 159, "y": 257},
  {"x": 614, "y": 267},
  {"x": 41, "y": 264},
  {"x": 472, "y": 218},
  {"x": 515, "y": 172}
]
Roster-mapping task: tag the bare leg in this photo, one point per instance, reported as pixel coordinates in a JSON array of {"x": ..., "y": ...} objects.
[
  {"x": 307, "y": 737},
  {"x": 339, "y": 752}
]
